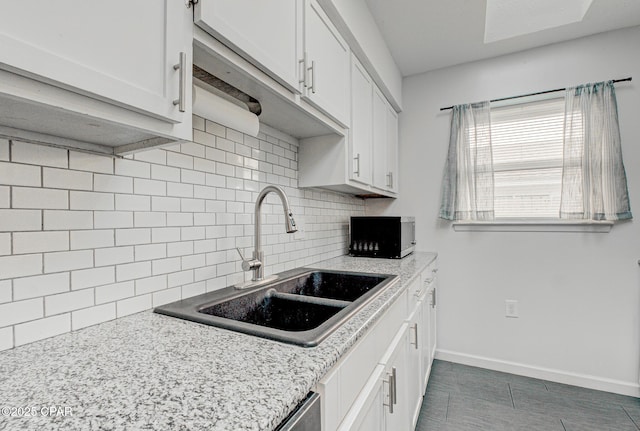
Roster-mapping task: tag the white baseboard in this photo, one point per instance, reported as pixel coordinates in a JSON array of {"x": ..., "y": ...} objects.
[{"x": 583, "y": 380}]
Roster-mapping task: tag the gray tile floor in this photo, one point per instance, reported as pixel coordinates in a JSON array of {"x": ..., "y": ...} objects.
[{"x": 463, "y": 398}]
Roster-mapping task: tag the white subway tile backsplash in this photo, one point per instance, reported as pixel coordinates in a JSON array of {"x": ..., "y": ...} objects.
[
  {"x": 180, "y": 190},
  {"x": 133, "y": 236},
  {"x": 90, "y": 162},
  {"x": 41, "y": 285},
  {"x": 92, "y": 277},
  {"x": 165, "y": 296},
  {"x": 20, "y": 265},
  {"x": 194, "y": 289},
  {"x": 113, "y": 219},
  {"x": 192, "y": 177},
  {"x": 91, "y": 201},
  {"x": 113, "y": 292},
  {"x": 165, "y": 173},
  {"x": 157, "y": 155},
  {"x": 132, "y": 305},
  {"x": 65, "y": 302},
  {"x": 154, "y": 227},
  {"x": 113, "y": 255},
  {"x": 179, "y": 248},
  {"x": 67, "y": 220},
  {"x": 29, "y": 197},
  {"x": 43, "y": 328},
  {"x": 132, "y": 168},
  {"x": 20, "y": 311},
  {"x": 150, "y": 252},
  {"x": 86, "y": 239},
  {"x": 5, "y": 197},
  {"x": 6, "y": 338},
  {"x": 68, "y": 260},
  {"x": 93, "y": 316},
  {"x": 13, "y": 174},
  {"x": 215, "y": 129},
  {"x": 149, "y": 187},
  {"x": 150, "y": 219},
  {"x": 151, "y": 284},
  {"x": 4, "y": 149},
  {"x": 166, "y": 266},
  {"x": 66, "y": 179},
  {"x": 179, "y": 160},
  {"x": 132, "y": 271},
  {"x": 20, "y": 220},
  {"x": 194, "y": 261},
  {"x": 5, "y": 244},
  {"x": 5, "y": 291},
  {"x": 133, "y": 203},
  {"x": 179, "y": 219},
  {"x": 23, "y": 152},
  {"x": 196, "y": 148},
  {"x": 180, "y": 278},
  {"x": 162, "y": 203},
  {"x": 165, "y": 234},
  {"x": 112, "y": 183}
]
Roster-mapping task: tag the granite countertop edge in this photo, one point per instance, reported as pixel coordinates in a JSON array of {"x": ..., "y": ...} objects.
[{"x": 154, "y": 372}]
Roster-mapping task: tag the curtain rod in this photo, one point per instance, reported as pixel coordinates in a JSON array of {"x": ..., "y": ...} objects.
[{"x": 535, "y": 94}]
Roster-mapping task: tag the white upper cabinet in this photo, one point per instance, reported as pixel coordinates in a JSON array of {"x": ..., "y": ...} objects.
[
  {"x": 325, "y": 62},
  {"x": 117, "y": 52},
  {"x": 385, "y": 144},
  {"x": 362, "y": 123},
  {"x": 267, "y": 33}
]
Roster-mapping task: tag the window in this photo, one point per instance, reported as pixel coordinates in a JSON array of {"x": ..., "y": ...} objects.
[
  {"x": 527, "y": 146},
  {"x": 543, "y": 161}
]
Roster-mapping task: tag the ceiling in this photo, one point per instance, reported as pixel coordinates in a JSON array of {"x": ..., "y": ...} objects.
[{"x": 425, "y": 35}]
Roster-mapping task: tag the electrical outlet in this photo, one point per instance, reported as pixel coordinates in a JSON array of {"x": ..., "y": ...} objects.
[{"x": 511, "y": 308}]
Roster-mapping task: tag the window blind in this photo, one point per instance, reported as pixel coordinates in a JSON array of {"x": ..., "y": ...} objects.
[{"x": 527, "y": 142}]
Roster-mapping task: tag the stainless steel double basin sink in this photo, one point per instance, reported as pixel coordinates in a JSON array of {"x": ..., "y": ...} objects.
[{"x": 302, "y": 306}]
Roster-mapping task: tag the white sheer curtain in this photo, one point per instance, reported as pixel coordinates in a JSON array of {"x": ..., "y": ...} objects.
[
  {"x": 467, "y": 186},
  {"x": 594, "y": 184}
]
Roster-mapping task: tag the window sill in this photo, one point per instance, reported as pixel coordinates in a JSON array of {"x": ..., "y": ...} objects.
[{"x": 534, "y": 226}]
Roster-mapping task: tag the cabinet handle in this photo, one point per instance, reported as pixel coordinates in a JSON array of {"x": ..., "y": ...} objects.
[
  {"x": 391, "y": 383},
  {"x": 303, "y": 76},
  {"x": 415, "y": 328},
  {"x": 312, "y": 71},
  {"x": 357, "y": 170},
  {"x": 390, "y": 179},
  {"x": 433, "y": 298},
  {"x": 182, "y": 86},
  {"x": 395, "y": 388}
]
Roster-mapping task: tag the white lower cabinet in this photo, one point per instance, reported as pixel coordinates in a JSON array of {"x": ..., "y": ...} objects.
[{"x": 379, "y": 383}]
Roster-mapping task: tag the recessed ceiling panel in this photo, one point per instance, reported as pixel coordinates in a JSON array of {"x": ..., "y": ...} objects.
[{"x": 509, "y": 18}]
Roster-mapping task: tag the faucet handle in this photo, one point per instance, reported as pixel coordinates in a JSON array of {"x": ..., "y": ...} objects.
[{"x": 248, "y": 264}]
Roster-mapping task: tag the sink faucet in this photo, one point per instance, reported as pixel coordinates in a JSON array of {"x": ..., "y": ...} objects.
[{"x": 256, "y": 264}]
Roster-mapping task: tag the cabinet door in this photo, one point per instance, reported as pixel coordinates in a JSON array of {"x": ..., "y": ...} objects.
[
  {"x": 397, "y": 369},
  {"x": 367, "y": 413},
  {"x": 414, "y": 383},
  {"x": 264, "y": 32},
  {"x": 392, "y": 149},
  {"x": 326, "y": 60},
  {"x": 118, "y": 51},
  {"x": 380, "y": 177},
  {"x": 361, "y": 123}
]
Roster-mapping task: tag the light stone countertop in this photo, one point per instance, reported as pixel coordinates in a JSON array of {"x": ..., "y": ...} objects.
[{"x": 153, "y": 372}]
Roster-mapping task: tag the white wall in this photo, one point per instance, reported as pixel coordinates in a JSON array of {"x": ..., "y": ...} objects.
[
  {"x": 578, "y": 292},
  {"x": 85, "y": 239}
]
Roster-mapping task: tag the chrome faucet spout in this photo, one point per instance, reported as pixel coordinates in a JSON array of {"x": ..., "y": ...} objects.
[{"x": 257, "y": 263}]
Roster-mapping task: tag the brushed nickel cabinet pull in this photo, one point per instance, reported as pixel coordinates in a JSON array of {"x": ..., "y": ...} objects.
[{"x": 182, "y": 90}]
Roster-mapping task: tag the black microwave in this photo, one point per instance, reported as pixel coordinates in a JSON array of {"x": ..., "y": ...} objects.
[{"x": 387, "y": 237}]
